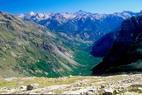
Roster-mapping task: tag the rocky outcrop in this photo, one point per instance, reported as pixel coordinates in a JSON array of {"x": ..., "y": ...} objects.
[{"x": 126, "y": 52}]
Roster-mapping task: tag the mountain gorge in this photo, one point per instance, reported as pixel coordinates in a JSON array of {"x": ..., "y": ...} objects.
[
  {"x": 29, "y": 49},
  {"x": 125, "y": 52},
  {"x": 55, "y": 44},
  {"x": 81, "y": 26}
]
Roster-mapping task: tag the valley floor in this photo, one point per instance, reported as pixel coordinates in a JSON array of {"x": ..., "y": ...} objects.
[{"x": 109, "y": 85}]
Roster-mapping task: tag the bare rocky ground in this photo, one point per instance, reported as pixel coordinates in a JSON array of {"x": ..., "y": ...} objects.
[{"x": 84, "y": 85}]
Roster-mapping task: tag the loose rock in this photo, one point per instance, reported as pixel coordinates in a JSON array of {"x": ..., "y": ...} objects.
[
  {"x": 32, "y": 86},
  {"x": 108, "y": 92}
]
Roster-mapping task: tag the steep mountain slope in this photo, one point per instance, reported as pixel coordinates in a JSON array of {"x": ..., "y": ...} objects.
[
  {"x": 27, "y": 49},
  {"x": 81, "y": 26},
  {"x": 102, "y": 46},
  {"x": 126, "y": 52}
]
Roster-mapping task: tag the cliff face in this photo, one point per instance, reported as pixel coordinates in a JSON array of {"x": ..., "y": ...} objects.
[{"x": 126, "y": 52}]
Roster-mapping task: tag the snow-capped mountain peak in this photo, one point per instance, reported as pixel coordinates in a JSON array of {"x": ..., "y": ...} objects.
[
  {"x": 81, "y": 25},
  {"x": 74, "y": 15},
  {"x": 31, "y": 13}
]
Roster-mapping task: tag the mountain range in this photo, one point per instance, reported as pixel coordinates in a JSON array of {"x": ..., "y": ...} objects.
[{"x": 81, "y": 26}]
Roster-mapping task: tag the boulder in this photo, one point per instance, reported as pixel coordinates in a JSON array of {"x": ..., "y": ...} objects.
[
  {"x": 108, "y": 92},
  {"x": 22, "y": 88},
  {"x": 89, "y": 93},
  {"x": 32, "y": 86},
  {"x": 4, "y": 88}
]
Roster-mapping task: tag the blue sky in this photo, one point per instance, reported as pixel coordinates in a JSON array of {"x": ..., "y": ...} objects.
[{"x": 95, "y": 6}]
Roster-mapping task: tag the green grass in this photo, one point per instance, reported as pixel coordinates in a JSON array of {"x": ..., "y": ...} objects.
[
  {"x": 134, "y": 88},
  {"x": 43, "y": 82},
  {"x": 83, "y": 57}
]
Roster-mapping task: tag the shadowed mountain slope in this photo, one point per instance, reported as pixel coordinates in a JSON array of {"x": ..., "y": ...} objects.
[{"x": 126, "y": 52}]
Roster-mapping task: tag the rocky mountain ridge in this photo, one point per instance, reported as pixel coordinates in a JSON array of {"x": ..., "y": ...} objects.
[
  {"x": 80, "y": 26},
  {"x": 126, "y": 52}
]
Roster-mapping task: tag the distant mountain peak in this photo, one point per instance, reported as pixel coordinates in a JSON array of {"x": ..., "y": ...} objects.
[
  {"x": 127, "y": 12},
  {"x": 84, "y": 22},
  {"x": 0, "y": 11},
  {"x": 81, "y": 11},
  {"x": 32, "y": 13},
  {"x": 140, "y": 13}
]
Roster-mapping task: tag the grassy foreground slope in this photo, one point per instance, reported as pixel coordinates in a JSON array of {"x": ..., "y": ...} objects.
[{"x": 92, "y": 85}]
